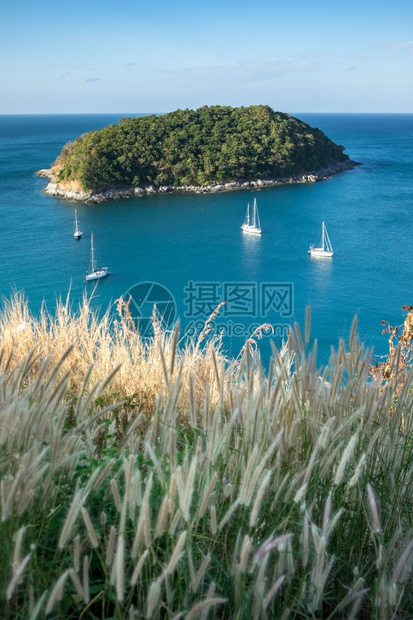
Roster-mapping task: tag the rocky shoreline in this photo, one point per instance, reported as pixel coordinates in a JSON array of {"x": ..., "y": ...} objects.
[{"x": 54, "y": 188}]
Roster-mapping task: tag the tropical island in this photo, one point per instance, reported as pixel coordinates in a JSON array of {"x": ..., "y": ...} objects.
[{"x": 213, "y": 148}]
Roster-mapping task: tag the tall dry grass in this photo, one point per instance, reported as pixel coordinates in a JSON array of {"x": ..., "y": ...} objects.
[
  {"x": 187, "y": 486},
  {"x": 102, "y": 345}
]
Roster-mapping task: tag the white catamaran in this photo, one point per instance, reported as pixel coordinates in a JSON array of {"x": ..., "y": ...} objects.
[
  {"x": 252, "y": 224},
  {"x": 326, "y": 249},
  {"x": 78, "y": 233},
  {"x": 95, "y": 274}
]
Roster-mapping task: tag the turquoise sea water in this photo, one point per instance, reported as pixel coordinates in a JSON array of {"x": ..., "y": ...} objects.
[{"x": 193, "y": 245}]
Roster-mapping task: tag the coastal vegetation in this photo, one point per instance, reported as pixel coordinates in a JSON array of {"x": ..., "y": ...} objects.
[
  {"x": 158, "y": 479},
  {"x": 216, "y": 144}
]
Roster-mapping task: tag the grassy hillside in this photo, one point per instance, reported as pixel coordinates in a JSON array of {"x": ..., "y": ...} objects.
[
  {"x": 185, "y": 485},
  {"x": 196, "y": 147}
]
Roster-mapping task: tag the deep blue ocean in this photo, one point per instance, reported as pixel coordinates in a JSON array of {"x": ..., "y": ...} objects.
[{"x": 192, "y": 245}]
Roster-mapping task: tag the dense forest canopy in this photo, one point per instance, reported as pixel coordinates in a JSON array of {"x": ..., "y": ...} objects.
[{"x": 215, "y": 144}]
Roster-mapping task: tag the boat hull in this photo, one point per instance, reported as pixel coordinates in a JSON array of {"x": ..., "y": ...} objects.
[
  {"x": 97, "y": 274},
  {"x": 320, "y": 253},
  {"x": 251, "y": 230}
]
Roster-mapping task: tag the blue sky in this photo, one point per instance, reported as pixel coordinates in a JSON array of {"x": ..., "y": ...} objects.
[{"x": 129, "y": 56}]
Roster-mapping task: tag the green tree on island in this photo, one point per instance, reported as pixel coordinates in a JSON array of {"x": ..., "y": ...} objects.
[{"x": 216, "y": 144}]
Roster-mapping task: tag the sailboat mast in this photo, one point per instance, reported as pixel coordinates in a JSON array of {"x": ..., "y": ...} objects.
[
  {"x": 92, "y": 257},
  {"x": 254, "y": 213},
  {"x": 328, "y": 242},
  {"x": 322, "y": 237}
]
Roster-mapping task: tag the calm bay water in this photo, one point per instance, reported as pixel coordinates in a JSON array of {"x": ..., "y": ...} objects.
[{"x": 178, "y": 239}]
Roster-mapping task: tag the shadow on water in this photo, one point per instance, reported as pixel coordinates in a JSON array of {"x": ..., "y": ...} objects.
[{"x": 321, "y": 272}]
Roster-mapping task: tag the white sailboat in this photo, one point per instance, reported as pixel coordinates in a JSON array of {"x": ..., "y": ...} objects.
[
  {"x": 95, "y": 274},
  {"x": 252, "y": 224},
  {"x": 326, "y": 249},
  {"x": 78, "y": 233}
]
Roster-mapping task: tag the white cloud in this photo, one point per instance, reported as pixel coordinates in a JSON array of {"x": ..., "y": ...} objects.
[
  {"x": 403, "y": 46},
  {"x": 245, "y": 71}
]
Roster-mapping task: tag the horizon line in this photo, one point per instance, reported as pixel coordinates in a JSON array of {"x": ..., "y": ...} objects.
[{"x": 149, "y": 113}]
